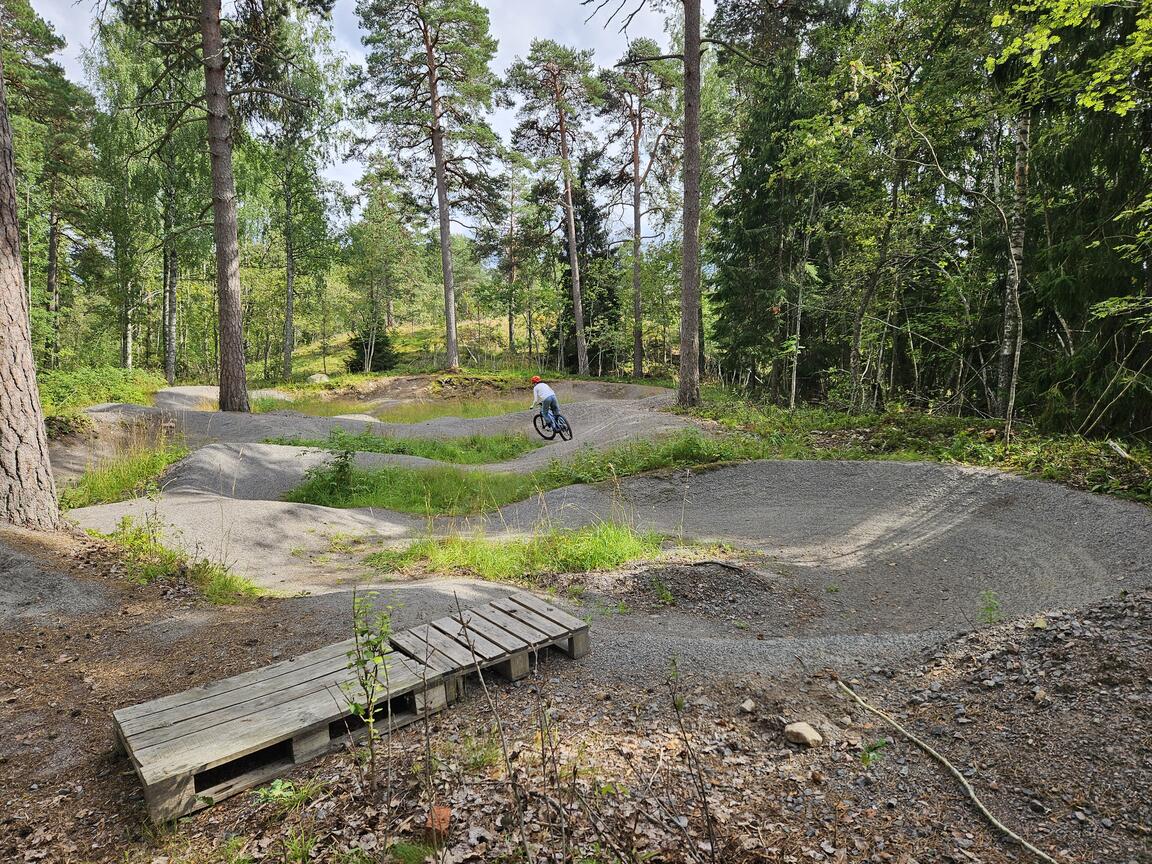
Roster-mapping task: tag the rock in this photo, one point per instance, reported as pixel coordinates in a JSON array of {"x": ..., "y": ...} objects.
[
  {"x": 803, "y": 733},
  {"x": 747, "y": 706},
  {"x": 318, "y": 378}
]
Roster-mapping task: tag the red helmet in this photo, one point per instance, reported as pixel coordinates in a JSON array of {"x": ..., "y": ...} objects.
[{"x": 536, "y": 379}]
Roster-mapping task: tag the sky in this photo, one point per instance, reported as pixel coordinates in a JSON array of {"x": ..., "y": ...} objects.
[{"x": 514, "y": 23}]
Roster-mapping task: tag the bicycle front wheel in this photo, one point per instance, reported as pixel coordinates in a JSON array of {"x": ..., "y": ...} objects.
[
  {"x": 542, "y": 428},
  {"x": 564, "y": 428}
]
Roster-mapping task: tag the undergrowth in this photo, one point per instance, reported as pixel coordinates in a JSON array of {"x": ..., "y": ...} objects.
[
  {"x": 821, "y": 433},
  {"x": 133, "y": 474},
  {"x": 146, "y": 560},
  {"x": 472, "y": 450},
  {"x": 65, "y": 393},
  {"x": 420, "y": 412},
  {"x": 461, "y": 491},
  {"x": 601, "y": 546}
]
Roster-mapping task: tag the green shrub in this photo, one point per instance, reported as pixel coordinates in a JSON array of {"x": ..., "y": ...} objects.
[
  {"x": 384, "y": 356},
  {"x": 64, "y": 391}
]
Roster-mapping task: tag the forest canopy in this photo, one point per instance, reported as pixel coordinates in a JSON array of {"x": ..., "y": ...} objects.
[{"x": 937, "y": 204}]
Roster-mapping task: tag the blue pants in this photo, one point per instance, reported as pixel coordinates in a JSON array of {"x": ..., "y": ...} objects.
[{"x": 550, "y": 408}]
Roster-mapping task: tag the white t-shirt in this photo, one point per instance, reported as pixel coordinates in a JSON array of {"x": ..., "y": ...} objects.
[{"x": 541, "y": 392}]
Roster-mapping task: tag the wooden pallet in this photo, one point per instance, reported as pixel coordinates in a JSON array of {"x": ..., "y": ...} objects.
[
  {"x": 505, "y": 635},
  {"x": 205, "y": 744}
]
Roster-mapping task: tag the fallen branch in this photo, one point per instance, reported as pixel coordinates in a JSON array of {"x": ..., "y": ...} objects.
[{"x": 952, "y": 768}]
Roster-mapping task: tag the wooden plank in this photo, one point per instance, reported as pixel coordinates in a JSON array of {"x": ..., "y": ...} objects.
[
  {"x": 423, "y": 652},
  {"x": 220, "y": 709},
  {"x": 265, "y": 677},
  {"x": 460, "y": 656},
  {"x": 539, "y": 622},
  {"x": 532, "y": 636},
  {"x": 208, "y": 748},
  {"x": 486, "y": 651},
  {"x": 509, "y": 642},
  {"x": 549, "y": 611}
]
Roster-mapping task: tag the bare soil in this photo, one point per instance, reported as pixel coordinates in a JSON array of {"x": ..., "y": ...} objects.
[{"x": 1050, "y": 720}]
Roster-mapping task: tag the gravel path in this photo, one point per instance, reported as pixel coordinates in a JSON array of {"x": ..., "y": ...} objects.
[{"x": 886, "y": 555}]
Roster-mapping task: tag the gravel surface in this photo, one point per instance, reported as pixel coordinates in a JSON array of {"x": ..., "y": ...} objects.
[{"x": 31, "y": 590}]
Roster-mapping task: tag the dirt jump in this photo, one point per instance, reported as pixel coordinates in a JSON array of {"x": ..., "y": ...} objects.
[
  {"x": 866, "y": 558},
  {"x": 891, "y": 575}
]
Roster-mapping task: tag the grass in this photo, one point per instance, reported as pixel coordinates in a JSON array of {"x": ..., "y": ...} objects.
[
  {"x": 410, "y": 853},
  {"x": 451, "y": 491},
  {"x": 596, "y": 547},
  {"x": 312, "y": 405},
  {"x": 129, "y": 475},
  {"x": 820, "y": 433},
  {"x": 146, "y": 559},
  {"x": 65, "y": 393},
  {"x": 472, "y": 450},
  {"x": 420, "y": 412}
]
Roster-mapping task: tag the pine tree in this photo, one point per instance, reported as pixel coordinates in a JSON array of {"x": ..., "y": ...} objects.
[{"x": 427, "y": 84}]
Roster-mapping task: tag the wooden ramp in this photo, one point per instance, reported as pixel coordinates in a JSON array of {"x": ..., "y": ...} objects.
[{"x": 205, "y": 744}]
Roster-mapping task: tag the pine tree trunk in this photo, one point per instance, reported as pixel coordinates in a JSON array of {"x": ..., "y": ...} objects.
[
  {"x": 171, "y": 278},
  {"x": 289, "y": 278},
  {"x": 53, "y": 286},
  {"x": 512, "y": 271},
  {"x": 27, "y": 492},
  {"x": 637, "y": 261},
  {"x": 233, "y": 384},
  {"x": 452, "y": 359},
  {"x": 573, "y": 256},
  {"x": 689, "y": 394},
  {"x": 1011, "y": 336}
]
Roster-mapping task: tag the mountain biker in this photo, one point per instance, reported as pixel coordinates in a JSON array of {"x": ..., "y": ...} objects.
[{"x": 545, "y": 397}]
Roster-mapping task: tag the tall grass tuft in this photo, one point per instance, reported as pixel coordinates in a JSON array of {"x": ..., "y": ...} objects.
[
  {"x": 132, "y": 474},
  {"x": 146, "y": 559},
  {"x": 601, "y": 546}
]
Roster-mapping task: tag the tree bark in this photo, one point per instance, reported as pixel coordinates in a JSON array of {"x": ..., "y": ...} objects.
[
  {"x": 171, "y": 278},
  {"x": 289, "y": 276},
  {"x": 452, "y": 358},
  {"x": 1011, "y": 336},
  {"x": 512, "y": 270},
  {"x": 689, "y": 393},
  {"x": 27, "y": 491},
  {"x": 53, "y": 286},
  {"x": 573, "y": 256},
  {"x": 233, "y": 383},
  {"x": 637, "y": 252}
]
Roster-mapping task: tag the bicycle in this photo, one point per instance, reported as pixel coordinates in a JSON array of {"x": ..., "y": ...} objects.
[{"x": 560, "y": 426}]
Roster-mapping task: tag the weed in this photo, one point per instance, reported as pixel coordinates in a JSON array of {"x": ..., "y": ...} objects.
[
  {"x": 480, "y": 754},
  {"x": 663, "y": 592},
  {"x": 833, "y": 589},
  {"x": 596, "y": 547},
  {"x": 369, "y": 662},
  {"x": 872, "y": 753},
  {"x": 146, "y": 559},
  {"x": 990, "y": 611},
  {"x": 133, "y": 474},
  {"x": 410, "y": 853},
  {"x": 298, "y": 845},
  {"x": 288, "y": 796}
]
